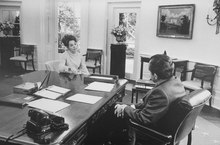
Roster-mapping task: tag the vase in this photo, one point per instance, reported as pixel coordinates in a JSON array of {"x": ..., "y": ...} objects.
[
  {"x": 5, "y": 32},
  {"x": 120, "y": 39}
]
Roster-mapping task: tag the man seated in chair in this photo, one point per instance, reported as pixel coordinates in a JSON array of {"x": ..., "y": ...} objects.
[{"x": 155, "y": 103}]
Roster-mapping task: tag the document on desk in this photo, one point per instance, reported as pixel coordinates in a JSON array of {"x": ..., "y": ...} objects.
[
  {"x": 84, "y": 98},
  {"x": 47, "y": 94},
  {"x": 48, "y": 105},
  {"x": 100, "y": 86}
]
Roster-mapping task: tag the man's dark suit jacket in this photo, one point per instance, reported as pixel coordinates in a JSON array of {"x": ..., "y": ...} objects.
[{"x": 156, "y": 102}]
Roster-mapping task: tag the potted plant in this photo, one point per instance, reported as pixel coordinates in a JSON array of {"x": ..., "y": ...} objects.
[
  {"x": 6, "y": 27},
  {"x": 120, "y": 33}
]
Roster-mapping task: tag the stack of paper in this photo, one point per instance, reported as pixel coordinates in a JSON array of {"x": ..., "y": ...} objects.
[
  {"x": 100, "y": 86},
  {"x": 25, "y": 88},
  {"x": 48, "y": 105},
  {"x": 84, "y": 98}
]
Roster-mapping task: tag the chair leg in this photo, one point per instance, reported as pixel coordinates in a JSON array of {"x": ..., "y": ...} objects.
[
  {"x": 136, "y": 96},
  {"x": 189, "y": 138},
  {"x": 99, "y": 70},
  {"x": 210, "y": 102},
  {"x": 132, "y": 95},
  {"x": 33, "y": 64},
  {"x": 25, "y": 66},
  {"x": 93, "y": 70}
]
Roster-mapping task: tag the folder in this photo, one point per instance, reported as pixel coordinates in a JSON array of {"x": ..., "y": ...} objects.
[
  {"x": 16, "y": 100},
  {"x": 52, "y": 92}
]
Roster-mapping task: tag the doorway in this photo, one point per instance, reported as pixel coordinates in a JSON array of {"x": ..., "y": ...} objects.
[
  {"x": 67, "y": 21},
  {"x": 126, "y": 14}
]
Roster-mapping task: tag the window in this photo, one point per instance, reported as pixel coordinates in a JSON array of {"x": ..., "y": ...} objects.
[
  {"x": 10, "y": 14},
  {"x": 68, "y": 20}
]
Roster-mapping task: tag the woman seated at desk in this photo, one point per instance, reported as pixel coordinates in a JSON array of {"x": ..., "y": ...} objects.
[{"x": 72, "y": 60}]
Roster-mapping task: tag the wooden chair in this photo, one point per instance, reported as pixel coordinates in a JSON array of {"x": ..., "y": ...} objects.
[
  {"x": 202, "y": 77},
  {"x": 176, "y": 124},
  {"x": 52, "y": 65},
  {"x": 93, "y": 59},
  {"x": 25, "y": 55},
  {"x": 141, "y": 86}
]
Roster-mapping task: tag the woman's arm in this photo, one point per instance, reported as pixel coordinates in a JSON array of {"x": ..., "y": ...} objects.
[
  {"x": 62, "y": 66},
  {"x": 82, "y": 68}
]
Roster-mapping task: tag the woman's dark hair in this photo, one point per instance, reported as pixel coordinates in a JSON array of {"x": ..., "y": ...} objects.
[
  {"x": 67, "y": 38},
  {"x": 161, "y": 65}
]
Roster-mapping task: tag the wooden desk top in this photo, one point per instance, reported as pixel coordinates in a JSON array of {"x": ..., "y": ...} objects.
[{"x": 13, "y": 119}]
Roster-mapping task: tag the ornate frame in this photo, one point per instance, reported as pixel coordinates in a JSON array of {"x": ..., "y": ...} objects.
[{"x": 175, "y": 21}]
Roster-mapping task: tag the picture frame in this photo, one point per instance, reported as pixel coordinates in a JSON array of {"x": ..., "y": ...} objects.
[{"x": 175, "y": 21}]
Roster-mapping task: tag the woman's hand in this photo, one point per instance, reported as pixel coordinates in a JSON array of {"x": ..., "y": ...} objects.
[
  {"x": 70, "y": 70},
  {"x": 119, "y": 110}
]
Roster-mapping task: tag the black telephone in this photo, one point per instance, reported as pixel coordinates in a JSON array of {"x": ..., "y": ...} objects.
[{"x": 41, "y": 123}]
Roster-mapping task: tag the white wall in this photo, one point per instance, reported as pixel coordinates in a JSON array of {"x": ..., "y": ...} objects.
[
  {"x": 97, "y": 27},
  {"x": 36, "y": 28},
  {"x": 203, "y": 47}
]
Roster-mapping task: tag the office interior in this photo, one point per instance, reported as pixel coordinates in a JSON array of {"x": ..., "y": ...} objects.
[{"x": 38, "y": 26}]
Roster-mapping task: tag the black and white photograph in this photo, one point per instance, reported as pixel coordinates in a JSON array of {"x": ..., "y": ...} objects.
[{"x": 109, "y": 72}]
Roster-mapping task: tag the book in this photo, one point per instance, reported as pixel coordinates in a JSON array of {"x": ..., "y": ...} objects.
[
  {"x": 100, "y": 78},
  {"x": 52, "y": 92},
  {"x": 16, "y": 100},
  {"x": 26, "y": 88},
  {"x": 143, "y": 87}
]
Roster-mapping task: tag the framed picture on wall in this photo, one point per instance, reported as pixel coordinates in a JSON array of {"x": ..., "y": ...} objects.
[{"x": 175, "y": 21}]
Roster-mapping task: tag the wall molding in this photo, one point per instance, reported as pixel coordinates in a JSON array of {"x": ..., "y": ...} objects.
[{"x": 10, "y": 3}]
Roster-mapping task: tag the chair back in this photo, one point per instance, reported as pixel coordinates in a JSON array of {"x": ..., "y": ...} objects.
[
  {"x": 94, "y": 55},
  {"x": 27, "y": 49},
  {"x": 52, "y": 65},
  {"x": 181, "y": 117},
  {"x": 204, "y": 72}
]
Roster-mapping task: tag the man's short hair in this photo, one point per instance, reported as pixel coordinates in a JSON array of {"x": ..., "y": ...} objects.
[
  {"x": 67, "y": 38},
  {"x": 161, "y": 65}
]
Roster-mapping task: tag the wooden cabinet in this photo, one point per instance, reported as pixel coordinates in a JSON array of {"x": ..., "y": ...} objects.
[
  {"x": 118, "y": 56},
  {"x": 7, "y": 45}
]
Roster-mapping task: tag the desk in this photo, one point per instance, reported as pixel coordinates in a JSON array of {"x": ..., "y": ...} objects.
[
  {"x": 78, "y": 115},
  {"x": 178, "y": 64}
]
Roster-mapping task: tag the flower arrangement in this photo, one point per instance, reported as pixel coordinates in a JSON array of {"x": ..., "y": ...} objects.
[
  {"x": 120, "y": 33},
  {"x": 6, "y": 27}
]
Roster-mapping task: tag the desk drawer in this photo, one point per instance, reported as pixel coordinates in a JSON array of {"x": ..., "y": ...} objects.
[
  {"x": 115, "y": 98},
  {"x": 78, "y": 137}
]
